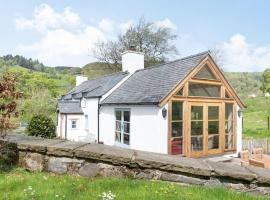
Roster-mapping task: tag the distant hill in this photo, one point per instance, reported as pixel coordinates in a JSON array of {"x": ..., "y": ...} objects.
[
  {"x": 97, "y": 69},
  {"x": 68, "y": 70},
  {"x": 246, "y": 83}
]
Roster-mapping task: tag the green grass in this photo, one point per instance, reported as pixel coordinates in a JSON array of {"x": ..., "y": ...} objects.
[
  {"x": 255, "y": 117},
  {"x": 17, "y": 184}
]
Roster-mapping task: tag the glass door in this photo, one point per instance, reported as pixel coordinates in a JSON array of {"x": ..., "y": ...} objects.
[
  {"x": 204, "y": 129},
  {"x": 213, "y": 128},
  {"x": 197, "y": 130}
]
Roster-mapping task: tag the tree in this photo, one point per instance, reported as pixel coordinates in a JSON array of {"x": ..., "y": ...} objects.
[
  {"x": 154, "y": 41},
  {"x": 8, "y": 106},
  {"x": 217, "y": 55},
  {"x": 266, "y": 81}
]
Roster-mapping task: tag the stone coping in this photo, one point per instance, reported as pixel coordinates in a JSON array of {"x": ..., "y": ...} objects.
[{"x": 140, "y": 159}]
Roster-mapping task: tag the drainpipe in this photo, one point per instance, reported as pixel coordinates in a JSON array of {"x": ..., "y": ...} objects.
[
  {"x": 65, "y": 126},
  {"x": 98, "y": 120}
]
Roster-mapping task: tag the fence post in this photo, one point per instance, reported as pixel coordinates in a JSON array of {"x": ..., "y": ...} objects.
[{"x": 268, "y": 124}]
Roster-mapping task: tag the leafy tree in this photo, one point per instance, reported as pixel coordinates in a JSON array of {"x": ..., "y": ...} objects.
[
  {"x": 8, "y": 106},
  {"x": 266, "y": 81},
  {"x": 41, "y": 125},
  {"x": 155, "y": 42}
]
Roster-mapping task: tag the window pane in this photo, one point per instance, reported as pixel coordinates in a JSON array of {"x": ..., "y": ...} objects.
[
  {"x": 126, "y": 116},
  {"x": 229, "y": 141},
  {"x": 118, "y": 126},
  {"x": 205, "y": 73},
  {"x": 177, "y": 146},
  {"x": 228, "y": 127},
  {"x": 126, "y": 127},
  {"x": 213, "y": 113},
  {"x": 213, "y": 127},
  {"x": 117, "y": 136},
  {"x": 180, "y": 92},
  {"x": 228, "y": 111},
  {"x": 118, "y": 115},
  {"x": 227, "y": 95},
  {"x": 126, "y": 139},
  {"x": 197, "y": 143},
  {"x": 197, "y": 128},
  {"x": 204, "y": 90},
  {"x": 177, "y": 110},
  {"x": 196, "y": 112},
  {"x": 213, "y": 142},
  {"x": 177, "y": 129}
]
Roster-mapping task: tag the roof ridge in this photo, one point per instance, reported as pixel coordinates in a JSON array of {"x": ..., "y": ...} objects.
[
  {"x": 107, "y": 75},
  {"x": 184, "y": 58}
]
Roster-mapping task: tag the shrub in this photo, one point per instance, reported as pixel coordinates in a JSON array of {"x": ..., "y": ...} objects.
[{"x": 41, "y": 125}]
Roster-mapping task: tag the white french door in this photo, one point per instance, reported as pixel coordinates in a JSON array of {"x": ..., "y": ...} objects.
[{"x": 122, "y": 127}]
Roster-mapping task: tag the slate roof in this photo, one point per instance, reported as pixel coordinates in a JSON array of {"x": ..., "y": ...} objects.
[
  {"x": 95, "y": 87},
  {"x": 149, "y": 86},
  {"x": 70, "y": 107}
]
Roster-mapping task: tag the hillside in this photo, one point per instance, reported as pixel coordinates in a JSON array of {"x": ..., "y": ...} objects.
[
  {"x": 246, "y": 83},
  {"x": 97, "y": 69}
]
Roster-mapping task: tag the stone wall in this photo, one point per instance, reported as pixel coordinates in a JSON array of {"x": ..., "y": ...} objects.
[{"x": 91, "y": 160}]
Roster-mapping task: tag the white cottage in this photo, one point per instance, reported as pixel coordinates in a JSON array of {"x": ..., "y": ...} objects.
[{"x": 184, "y": 107}]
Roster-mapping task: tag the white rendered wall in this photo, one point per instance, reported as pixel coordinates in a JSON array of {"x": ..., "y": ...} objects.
[
  {"x": 239, "y": 131},
  {"x": 91, "y": 109},
  {"x": 148, "y": 129}
]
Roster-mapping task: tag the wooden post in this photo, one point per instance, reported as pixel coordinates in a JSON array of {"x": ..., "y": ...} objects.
[{"x": 268, "y": 123}]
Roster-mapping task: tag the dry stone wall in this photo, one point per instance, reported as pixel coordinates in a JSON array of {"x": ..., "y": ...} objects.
[{"x": 91, "y": 160}]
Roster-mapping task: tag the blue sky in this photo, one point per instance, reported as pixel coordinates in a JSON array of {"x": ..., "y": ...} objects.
[{"x": 64, "y": 32}]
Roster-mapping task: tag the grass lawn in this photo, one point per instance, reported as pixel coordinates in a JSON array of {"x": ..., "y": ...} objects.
[
  {"x": 20, "y": 184},
  {"x": 255, "y": 117}
]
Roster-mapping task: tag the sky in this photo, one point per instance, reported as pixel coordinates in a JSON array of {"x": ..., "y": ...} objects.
[{"x": 63, "y": 33}]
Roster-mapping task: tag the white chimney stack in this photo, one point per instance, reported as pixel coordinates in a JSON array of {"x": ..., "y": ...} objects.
[
  {"x": 80, "y": 79},
  {"x": 132, "y": 61}
]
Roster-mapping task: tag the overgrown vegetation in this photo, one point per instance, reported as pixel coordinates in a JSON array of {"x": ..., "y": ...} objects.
[
  {"x": 20, "y": 184},
  {"x": 42, "y": 126},
  {"x": 41, "y": 89}
]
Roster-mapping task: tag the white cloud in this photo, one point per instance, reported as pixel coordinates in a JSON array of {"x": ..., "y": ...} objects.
[
  {"x": 45, "y": 17},
  {"x": 239, "y": 55},
  {"x": 125, "y": 25},
  {"x": 64, "y": 38},
  {"x": 165, "y": 23},
  {"x": 62, "y": 47},
  {"x": 106, "y": 25}
]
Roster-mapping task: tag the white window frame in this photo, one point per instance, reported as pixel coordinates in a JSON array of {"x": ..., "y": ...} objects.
[
  {"x": 121, "y": 143},
  {"x": 71, "y": 124}
]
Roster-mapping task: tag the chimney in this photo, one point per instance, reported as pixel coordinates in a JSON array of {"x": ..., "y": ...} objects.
[
  {"x": 132, "y": 60},
  {"x": 80, "y": 79}
]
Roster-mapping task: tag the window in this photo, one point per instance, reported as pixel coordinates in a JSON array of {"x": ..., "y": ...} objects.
[
  {"x": 177, "y": 128},
  {"x": 73, "y": 124},
  {"x": 229, "y": 136},
  {"x": 180, "y": 92},
  {"x": 205, "y": 73},
  {"x": 122, "y": 126},
  {"x": 86, "y": 122},
  {"x": 227, "y": 96},
  {"x": 204, "y": 90}
]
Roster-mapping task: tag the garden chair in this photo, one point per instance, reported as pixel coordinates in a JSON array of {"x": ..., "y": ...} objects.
[
  {"x": 259, "y": 159},
  {"x": 244, "y": 155}
]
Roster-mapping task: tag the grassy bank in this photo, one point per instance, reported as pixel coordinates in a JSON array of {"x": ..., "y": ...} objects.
[
  {"x": 255, "y": 117},
  {"x": 20, "y": 184}
]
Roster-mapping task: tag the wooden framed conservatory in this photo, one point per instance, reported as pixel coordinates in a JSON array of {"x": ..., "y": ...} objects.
[{"x": 202, "y": 113}]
